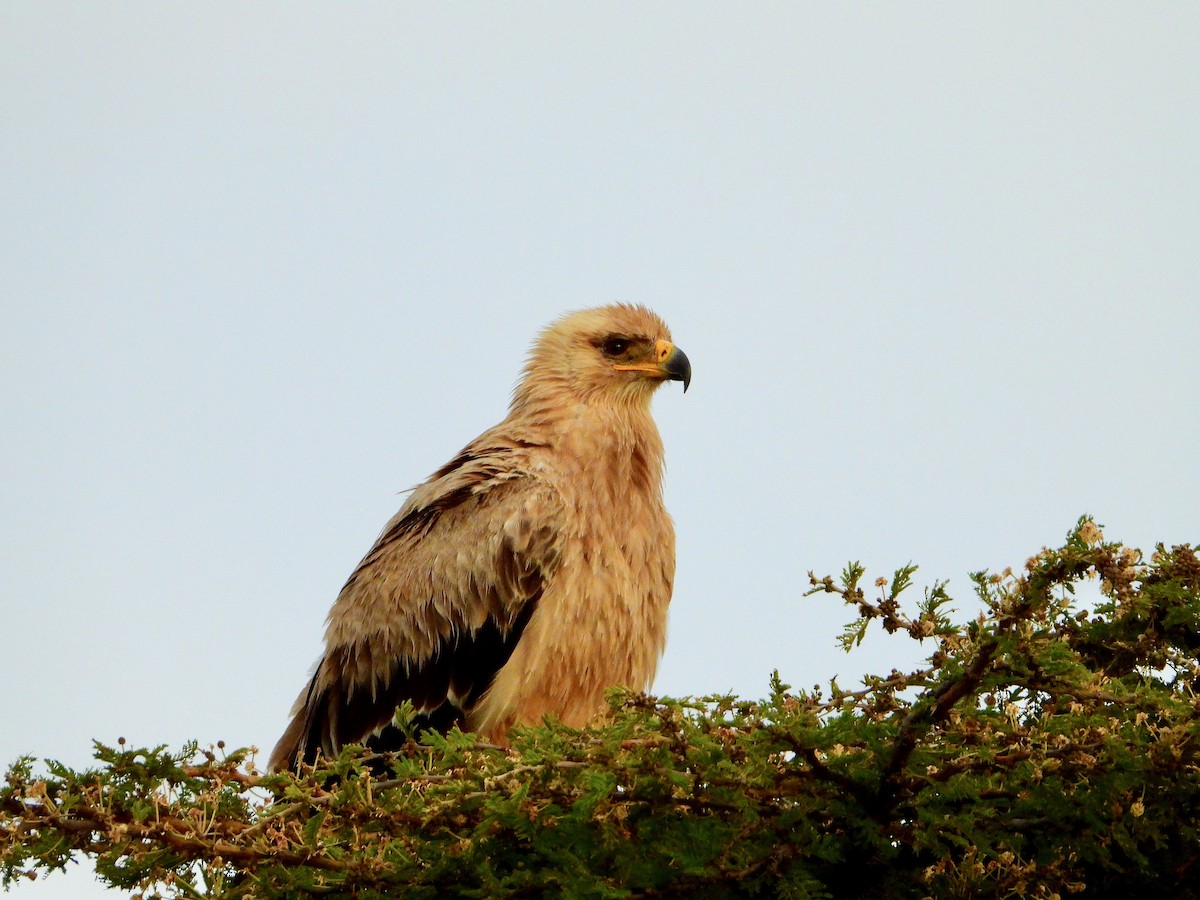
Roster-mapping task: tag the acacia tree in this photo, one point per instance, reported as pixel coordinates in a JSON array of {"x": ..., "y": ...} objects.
[{"x": 1043, "y": 749}]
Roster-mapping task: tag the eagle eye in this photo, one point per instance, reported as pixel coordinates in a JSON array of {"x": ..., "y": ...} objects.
[{"x": 615, "y": 346}]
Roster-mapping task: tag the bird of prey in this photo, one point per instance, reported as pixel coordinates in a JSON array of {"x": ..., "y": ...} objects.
[{"x": 529, "y": 574}]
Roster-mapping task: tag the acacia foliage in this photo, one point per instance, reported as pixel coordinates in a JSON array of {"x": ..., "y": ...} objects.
[{"x": 1044, "y": 749}]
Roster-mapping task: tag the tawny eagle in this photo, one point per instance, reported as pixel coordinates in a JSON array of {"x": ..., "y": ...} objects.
[{"x": 530, "y": 573}]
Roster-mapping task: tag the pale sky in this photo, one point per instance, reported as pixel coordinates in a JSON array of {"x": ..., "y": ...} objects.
[{"x": 264, "y": 267}]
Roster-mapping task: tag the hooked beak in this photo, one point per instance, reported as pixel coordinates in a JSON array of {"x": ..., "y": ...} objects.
[
  {"x": 670, "y": 363},
  {"x": 674, "y": 363}
]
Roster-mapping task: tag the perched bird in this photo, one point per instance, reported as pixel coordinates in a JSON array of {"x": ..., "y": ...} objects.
[{"x": 530, "y": 573}]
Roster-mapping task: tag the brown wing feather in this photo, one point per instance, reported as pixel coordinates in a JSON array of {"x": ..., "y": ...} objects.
[{"x": 436, "y": 607}]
